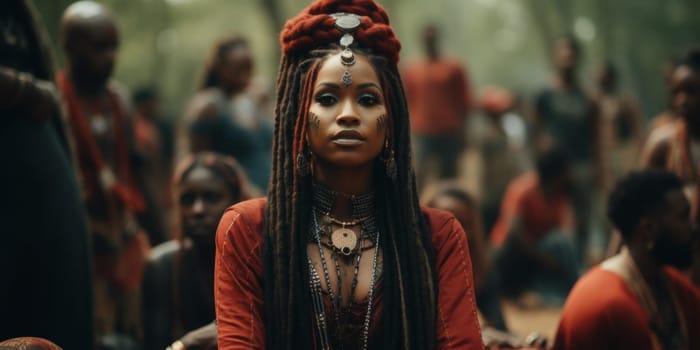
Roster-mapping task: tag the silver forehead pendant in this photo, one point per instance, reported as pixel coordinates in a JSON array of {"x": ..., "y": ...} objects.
[{"x": 347, "y": 23}]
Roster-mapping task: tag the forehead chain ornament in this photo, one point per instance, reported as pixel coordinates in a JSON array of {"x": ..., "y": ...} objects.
[{"x": 347, "y": 23}]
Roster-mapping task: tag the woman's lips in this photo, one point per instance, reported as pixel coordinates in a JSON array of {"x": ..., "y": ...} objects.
[{"x": 348, "y": 138}]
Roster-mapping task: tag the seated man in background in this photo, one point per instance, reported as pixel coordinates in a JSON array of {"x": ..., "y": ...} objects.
[
  {"x": 638, "y": 299},
  {"x": 534, "y": 233}
]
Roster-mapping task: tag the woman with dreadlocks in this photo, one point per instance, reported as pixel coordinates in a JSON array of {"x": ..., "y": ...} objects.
[{"x": 340, "y": 255}]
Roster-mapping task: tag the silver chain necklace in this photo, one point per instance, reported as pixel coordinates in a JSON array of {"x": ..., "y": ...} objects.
[{"x": 317, "y": 292}]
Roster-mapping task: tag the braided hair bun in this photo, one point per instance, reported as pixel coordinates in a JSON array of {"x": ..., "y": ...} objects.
[{"x": 314, "y": 27}]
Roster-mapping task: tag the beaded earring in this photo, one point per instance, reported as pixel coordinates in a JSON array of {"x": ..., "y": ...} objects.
[{"x": 389, "y": 161}]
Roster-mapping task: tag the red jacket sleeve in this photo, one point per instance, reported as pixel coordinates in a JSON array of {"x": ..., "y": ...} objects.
[
  {"x": 457, "y": 324},
  {"x": 238, "y": 277}
]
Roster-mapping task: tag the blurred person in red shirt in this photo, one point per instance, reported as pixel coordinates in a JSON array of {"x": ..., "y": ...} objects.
[
  {"x": 439, "y": 98},
  {"x": 534, "y": 234}
]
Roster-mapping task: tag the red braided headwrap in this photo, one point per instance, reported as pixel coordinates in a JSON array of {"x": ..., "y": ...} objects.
[{"x": 314, "y": 27}]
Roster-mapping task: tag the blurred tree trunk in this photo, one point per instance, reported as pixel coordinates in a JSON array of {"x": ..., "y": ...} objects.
[
  {"x": 163, "y": 18},
  {"x": 564, "y": 15},
  {"x": 540, "y": 18},
  {"x": 277, "y": 16},
  {"x": 51, "y": 12},
  {"x": 275, "y": 12},
  {"x": 604, "y": 12}
]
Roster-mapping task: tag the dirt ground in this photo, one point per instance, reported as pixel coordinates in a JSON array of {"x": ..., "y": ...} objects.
[
  {"x": 525, "y": 321},
  {"x": 521, "y": 321}
]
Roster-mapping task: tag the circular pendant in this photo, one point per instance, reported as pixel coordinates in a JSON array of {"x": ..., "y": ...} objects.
[{"x": 344, "y": 240}]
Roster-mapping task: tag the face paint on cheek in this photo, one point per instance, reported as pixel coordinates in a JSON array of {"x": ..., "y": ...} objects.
[
  {"x": 314, "y": 122},
  {"x": 381, "y": 124}
]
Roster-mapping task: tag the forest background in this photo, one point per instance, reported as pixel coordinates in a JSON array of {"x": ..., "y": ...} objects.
[{"x": 506, "y": 43}]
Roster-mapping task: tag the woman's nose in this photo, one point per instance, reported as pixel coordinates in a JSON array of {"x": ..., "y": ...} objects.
[{"x": 348, "y": 114}]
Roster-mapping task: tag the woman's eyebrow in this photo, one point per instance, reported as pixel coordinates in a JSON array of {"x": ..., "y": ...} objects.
[
  {"x": 329, "y": 85},
  {"x": 366, "y": 85}
]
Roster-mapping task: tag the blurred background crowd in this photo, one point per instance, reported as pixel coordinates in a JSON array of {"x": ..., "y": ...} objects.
[{"x": 524, "y": 116}]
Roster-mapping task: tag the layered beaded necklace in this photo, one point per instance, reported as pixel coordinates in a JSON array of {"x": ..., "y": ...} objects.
[{"x": 346, "y": 242}]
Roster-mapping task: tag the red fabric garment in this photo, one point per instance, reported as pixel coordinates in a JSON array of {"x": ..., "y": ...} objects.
[
  {"x": 147, "y": 137},
  {"x": 127, "y": 268},
  {"x": 239, "y": 268},
  {"x": 92, "y": 161},
  {"x": 602, "y": 312},
  {"x": 524, "y": 200},
  {"x": 438, "y": 97}
]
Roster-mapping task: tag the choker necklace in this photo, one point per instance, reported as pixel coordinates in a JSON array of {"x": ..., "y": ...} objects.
[{"x": 363, "y": 212}]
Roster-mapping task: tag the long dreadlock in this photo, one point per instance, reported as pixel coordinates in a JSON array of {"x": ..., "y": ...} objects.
[{"x": 409, "y": 279}]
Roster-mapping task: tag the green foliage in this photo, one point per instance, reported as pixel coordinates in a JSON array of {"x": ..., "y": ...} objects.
[{"x": 503, "y": 42}]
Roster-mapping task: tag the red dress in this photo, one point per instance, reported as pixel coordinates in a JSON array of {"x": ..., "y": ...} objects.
[{"x": 239, "y": 274}]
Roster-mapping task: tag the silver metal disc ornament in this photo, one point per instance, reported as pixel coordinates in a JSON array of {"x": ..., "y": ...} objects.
[
  {"x": 344, "y": 240},
  {"x": 347, "y": 22}
]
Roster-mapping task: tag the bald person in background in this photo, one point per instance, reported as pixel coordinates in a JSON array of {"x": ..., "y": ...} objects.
[{"x": 101, "y": 123}]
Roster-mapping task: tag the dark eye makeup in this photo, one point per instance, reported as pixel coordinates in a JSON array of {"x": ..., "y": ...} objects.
[
  {"x": 369, "y": 100},
  {"x": 326, "y": 99}
]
